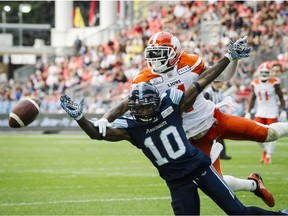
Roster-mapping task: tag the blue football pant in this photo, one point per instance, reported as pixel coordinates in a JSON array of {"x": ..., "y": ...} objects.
[{"x": 185, "y": 197}]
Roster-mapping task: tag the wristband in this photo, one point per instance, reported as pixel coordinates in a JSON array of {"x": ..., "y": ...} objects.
[
  {"x": 198, "y": 87},
  {"x": 79, "y": 117},
  {"x": 227, "y": 55}
]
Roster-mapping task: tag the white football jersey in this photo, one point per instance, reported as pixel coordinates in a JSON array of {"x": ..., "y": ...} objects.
[
  {"x": 200, "y": 117},
  {"x": 266, "y": 98}
]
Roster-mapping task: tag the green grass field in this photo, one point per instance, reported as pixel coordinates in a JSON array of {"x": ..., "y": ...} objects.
[{"x": 73, "y": 175}]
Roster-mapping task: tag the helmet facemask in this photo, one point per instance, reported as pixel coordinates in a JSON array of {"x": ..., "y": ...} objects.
[
  {"x": 264, "y": 75},
  {"x": 162, "y": 52},
  {"x": 159, "y": 57}
]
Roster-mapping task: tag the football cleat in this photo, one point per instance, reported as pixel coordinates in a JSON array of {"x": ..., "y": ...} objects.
[
  {"x": 261, "y": 191},
  {"x": 263, "y": 157}
]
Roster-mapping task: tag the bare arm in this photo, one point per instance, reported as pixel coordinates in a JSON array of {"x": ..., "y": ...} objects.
[
  {"x": 113, "y": 134},
  {"x": 252, "y": 100},
  {"x": 204, "y": 79},
  {"x": 229, "y": 71},
  {"x": 117, "y": 111},
  {"x": 280, "y": 95}
]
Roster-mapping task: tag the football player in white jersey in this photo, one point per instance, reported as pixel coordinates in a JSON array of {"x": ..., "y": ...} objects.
[
  {"x": 266, "y": 92},
  {"x": 169, "y": 66},
  {"x": 155, "y": 127}
]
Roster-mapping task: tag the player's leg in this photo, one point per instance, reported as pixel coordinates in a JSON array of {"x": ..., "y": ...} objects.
[
  {"x": 185, "y": 197},
  {"x": 213, "y": 185},
  {"x": 263, "y": 145},
  {"x": 253, "y": 184},
  {"x": 276, "y": 131},
  {"x": 269, "y": 151},
  {"x": 270, "y": 147},
  {"x": 226, "y": 124}
]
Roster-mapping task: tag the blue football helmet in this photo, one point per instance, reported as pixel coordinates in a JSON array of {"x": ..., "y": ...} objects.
[{"x": 144, "y": 102}]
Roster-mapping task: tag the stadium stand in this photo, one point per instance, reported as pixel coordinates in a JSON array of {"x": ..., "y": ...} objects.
[{"x": 104, "y": 73}]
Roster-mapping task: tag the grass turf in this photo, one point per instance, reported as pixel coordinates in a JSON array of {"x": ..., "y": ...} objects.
[{"x": 73, "y": 175}]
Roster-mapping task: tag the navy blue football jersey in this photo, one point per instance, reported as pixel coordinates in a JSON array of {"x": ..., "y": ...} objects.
[{"x": 164, "y": 141}]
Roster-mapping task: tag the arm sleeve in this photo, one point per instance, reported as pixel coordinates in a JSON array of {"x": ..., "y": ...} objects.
[{"x": 175, "y": 95}]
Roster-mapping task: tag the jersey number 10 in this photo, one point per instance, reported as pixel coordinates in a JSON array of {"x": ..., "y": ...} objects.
[{"x": 160, "y": 160}]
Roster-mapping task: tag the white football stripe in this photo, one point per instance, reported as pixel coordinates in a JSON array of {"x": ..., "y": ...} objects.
[
  {"x": 35, "y": 104},
  {"x": 14, "y": 116},
  {"x": 85, "y": 201}
]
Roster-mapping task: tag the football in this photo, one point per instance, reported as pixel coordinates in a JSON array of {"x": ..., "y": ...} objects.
[{"x": 24, "y": 112}]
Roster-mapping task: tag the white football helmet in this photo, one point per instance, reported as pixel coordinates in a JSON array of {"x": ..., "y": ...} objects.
[
  {"x": 162, "y": 52},
  {"x": 264, "y": 72}
]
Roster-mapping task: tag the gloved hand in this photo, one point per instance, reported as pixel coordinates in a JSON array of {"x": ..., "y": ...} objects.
[
  {"x": 72, "y": 108},
  {"x": 102, "y": 124},
  {"x": 283, "y": 115},
  {"x": 240, "y": 44},
  {"x": 247, "y": 115},
  {"x": 238, "y": 49}
]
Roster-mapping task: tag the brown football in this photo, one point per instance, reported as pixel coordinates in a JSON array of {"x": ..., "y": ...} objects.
[{"x": 24, "y": 113}]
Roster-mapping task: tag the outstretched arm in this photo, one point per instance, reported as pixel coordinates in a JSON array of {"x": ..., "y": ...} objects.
[
  {"x": 204, "y": 79},
  {"x": 110, "y": 115},
  {"x": 75, "y": 111},
  {"x": 212, "y": 73},
  {"x": 113, "y": 134}
]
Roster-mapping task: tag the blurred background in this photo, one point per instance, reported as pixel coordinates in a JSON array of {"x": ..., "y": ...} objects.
[{"x": 95, "y": 48}]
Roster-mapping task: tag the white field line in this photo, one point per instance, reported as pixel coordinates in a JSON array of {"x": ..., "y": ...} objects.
[
  {"x": 83, "y": 187},
  {"x": 99, "y": 200},
  {"x": 85, "y": 201}
]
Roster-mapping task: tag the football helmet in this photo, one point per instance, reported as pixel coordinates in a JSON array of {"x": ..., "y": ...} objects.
[
  {"x": 264, "y": 72},
  {"x": 162, "y": 52},
  {"x": 144, "y": 102}
]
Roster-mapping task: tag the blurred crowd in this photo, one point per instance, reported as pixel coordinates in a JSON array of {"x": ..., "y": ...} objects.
[{"x": 104, "y": 73}]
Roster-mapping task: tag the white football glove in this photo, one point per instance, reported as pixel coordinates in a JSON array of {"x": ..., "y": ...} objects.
[
  {"x": 283, "y": 115},
  {"x": 102, "y": 124},
  {"x": 247, "y": 115}
]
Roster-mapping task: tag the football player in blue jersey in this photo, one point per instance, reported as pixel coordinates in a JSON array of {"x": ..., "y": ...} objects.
[{"x": 155, "y": 126}]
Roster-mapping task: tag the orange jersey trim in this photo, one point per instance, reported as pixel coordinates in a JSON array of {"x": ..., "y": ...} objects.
[
  {"x": 272, "y": 80},
  {"x": 193, "y": 61}
]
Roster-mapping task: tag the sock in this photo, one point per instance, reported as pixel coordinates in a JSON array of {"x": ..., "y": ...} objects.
[
  {"x": 270, "y": 149},
  {"x": 237, "y": 184},
  {"x": 276, "y": 131}
]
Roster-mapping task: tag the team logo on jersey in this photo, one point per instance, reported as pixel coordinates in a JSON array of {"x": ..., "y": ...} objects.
[
  {"x": 162, "y": 124},
  {"x": 167, "y": 112},
  {"x": 185, "y": 69},
  {"x": 156, "y": 80},
  {"x": 176, "y": 82}
]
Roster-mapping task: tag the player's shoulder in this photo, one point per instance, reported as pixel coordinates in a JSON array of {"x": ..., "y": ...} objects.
[
  {"x": 173, "y": 94},
  {"x": 193, "y": 61},
  {"x": 189, "y": 58},
  {"x": 144, "y": 76},
  {"x": 274, "y": 80},
  {"x": 255, "y": 81}
]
